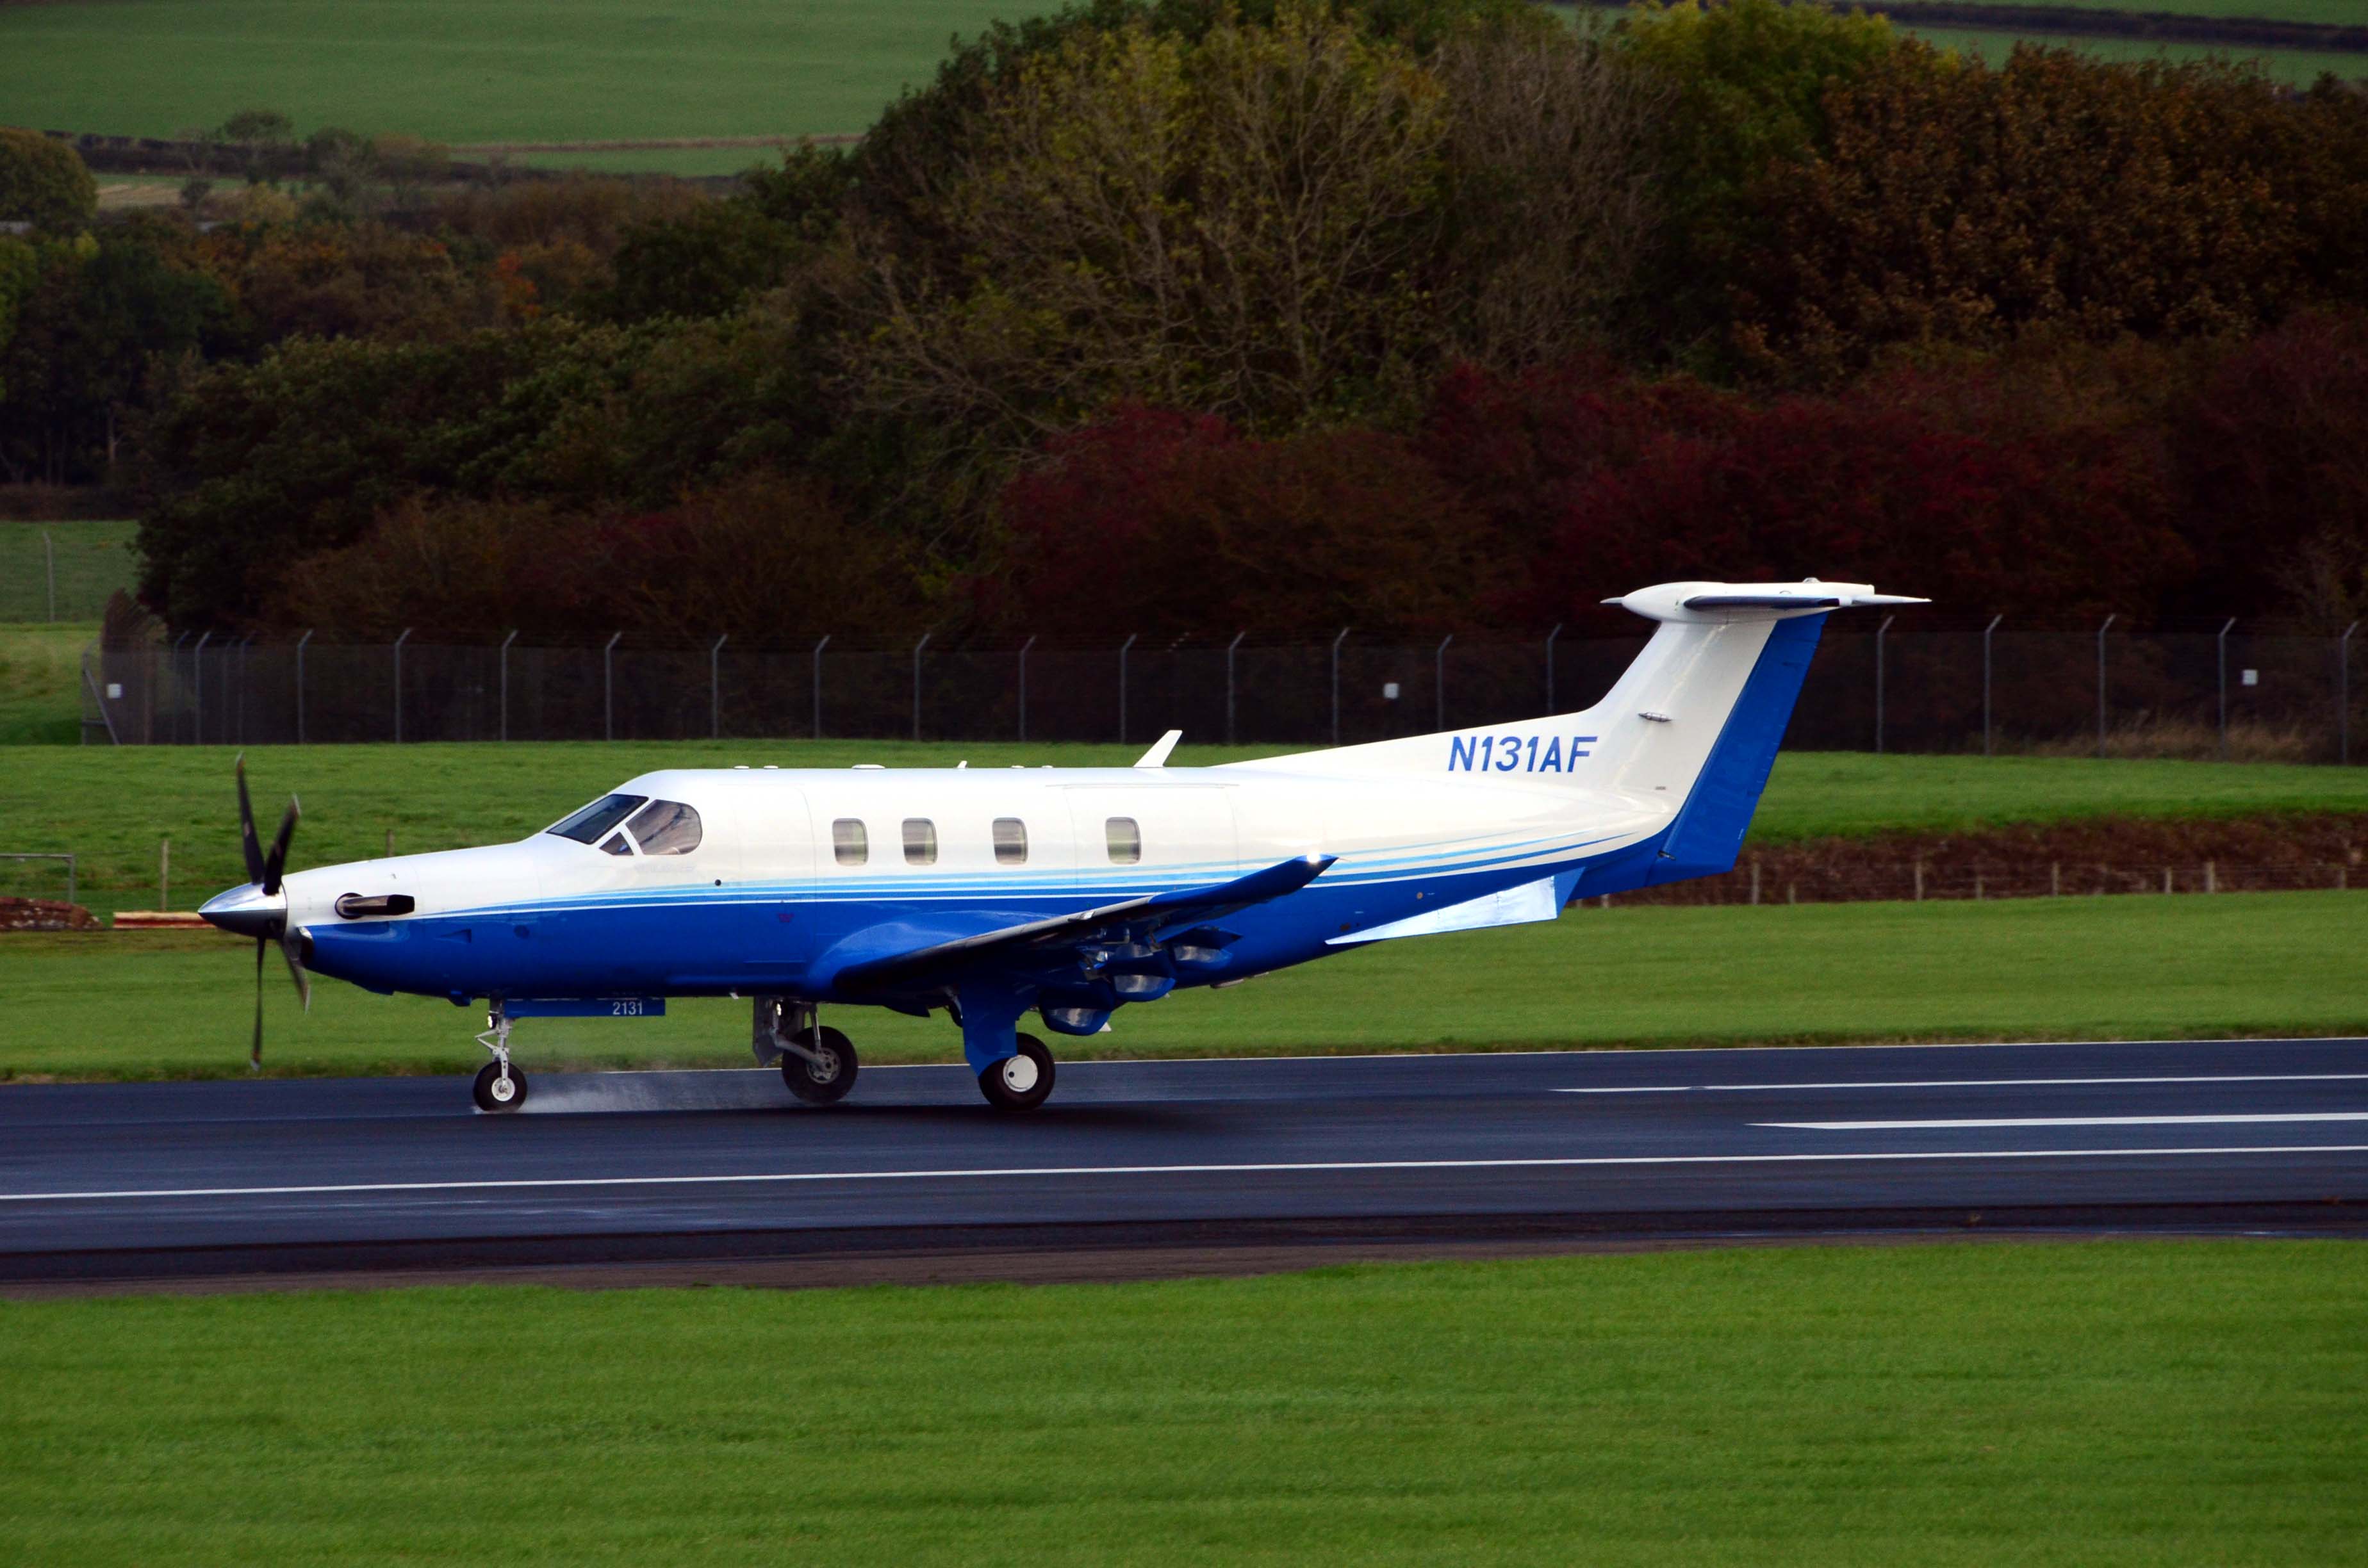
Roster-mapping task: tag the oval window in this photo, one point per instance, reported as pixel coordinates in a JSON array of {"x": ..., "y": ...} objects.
[
  {"x": 1125, "y": 840},
  {"x": 849, "y": 843},
  {"x": 920, "y": 841},
  {"x": 1010, "y": 841}
]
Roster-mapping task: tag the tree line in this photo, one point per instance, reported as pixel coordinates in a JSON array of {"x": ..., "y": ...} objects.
[{"x": 1280, "y": 315}]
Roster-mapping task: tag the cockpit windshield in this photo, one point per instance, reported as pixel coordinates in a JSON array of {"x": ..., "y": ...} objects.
[
  {"x": 587, "y": 825},
  {"x": 634, "y": 824},
  {"x": 664, "y": 827}
]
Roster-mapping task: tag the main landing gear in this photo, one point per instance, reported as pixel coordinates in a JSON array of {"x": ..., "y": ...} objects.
[
  {"x": 1020, "y": 1082},
  {"x": 817, "y": 1063},
  {"x": 500, "y": 1087}
]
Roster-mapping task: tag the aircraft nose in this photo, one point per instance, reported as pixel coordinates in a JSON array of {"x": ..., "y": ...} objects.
[{"x": 247, "y": 910}]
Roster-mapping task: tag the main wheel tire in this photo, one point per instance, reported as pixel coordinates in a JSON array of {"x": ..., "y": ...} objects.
[
  {"x": 1020, "y": 1082},
  {"x": 824, "y": 1081},
  {"x": 494, "y": 1096}
]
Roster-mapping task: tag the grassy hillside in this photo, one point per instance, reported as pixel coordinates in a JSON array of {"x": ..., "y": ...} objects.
[
  {"x": 2299, "y": 67},
  {"x": 2106, "y": 1405},
  {"x": 92, "y": 559},
  {"x": 480, "y": 70},
  {"x": 41, "y": 665},
  {"x": 148, "y": 1004}
]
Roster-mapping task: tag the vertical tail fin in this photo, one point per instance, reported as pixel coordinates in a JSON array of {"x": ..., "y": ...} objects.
[{"x": 1692, "y": 725}]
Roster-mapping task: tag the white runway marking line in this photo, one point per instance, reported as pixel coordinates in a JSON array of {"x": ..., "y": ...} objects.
[
  {"x": 1012, "y": 1172},
  {"x": 2072, "y": 1121},
  {"x": 1971, "y": 1084}
]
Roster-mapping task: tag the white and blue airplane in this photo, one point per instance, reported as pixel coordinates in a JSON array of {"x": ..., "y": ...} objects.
[{"x": 1070, "y": 892}]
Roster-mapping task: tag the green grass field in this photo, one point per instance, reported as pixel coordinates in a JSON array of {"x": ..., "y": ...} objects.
[
  {"x": 41, "y": 666},
  {"x": 2100, "y": 1405},
  {"x": 504, "y": 71},
  {"x": 2299, "y": 67},
  {"x": 93, "y": 560},
  {"x": 111, "y": 807},
  {"x": 178, "y": 1004}
]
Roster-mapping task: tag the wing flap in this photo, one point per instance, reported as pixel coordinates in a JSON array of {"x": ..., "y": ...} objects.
[{"x": 1130, "y": 917}]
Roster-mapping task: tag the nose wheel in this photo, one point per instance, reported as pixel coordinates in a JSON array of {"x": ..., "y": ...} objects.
[
  {"x": 500, "y": 1088},
  {"x": 1020, "y": 1082}
]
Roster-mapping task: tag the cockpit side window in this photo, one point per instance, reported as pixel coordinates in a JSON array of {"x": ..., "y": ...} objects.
[
  {"x": 587, "y": 825},
  {"x": 664, "y": 827},
  {"x": 617, "y": 844}
]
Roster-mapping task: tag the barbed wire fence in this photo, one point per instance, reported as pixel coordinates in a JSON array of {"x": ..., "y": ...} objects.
[{"x": 2229, "y": 692}]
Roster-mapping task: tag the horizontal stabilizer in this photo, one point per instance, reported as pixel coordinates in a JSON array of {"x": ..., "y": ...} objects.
[{"x": 1541, "y": 899}]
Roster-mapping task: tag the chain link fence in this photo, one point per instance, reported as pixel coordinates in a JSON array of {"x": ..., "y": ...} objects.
[{"x": 2232, "y": 692}]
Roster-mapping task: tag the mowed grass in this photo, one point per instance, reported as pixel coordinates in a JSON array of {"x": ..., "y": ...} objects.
[
  {"x": 2101, "y": 1403},
  {"x": 111, "y": 807},
  {"x": 172, "y": 1004},
  {"x": 470, "y": 71}
]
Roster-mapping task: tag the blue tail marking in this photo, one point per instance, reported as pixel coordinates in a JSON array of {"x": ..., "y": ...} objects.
[{"x": 1708, "y": 834}]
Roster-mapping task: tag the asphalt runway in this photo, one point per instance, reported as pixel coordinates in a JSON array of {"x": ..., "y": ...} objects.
[{"x": 290, "y": 1177}]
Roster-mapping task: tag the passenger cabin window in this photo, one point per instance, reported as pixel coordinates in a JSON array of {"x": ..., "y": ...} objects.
[
  {"x": 1010, "y": 841},
  {"x": 587, "y": 825},
  {"x": 849, "y": 842},
  {"x": 1125, "y": 840},
  {"x": 664, "y": 827},
  {"x": 920, "y": 841}
]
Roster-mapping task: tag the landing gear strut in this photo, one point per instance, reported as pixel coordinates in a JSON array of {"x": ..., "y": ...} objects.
[
  {"x": 1020, "y": 1082},
  {"x": 500, "y": 1087},
  {"x": 817, "y": 1063}
]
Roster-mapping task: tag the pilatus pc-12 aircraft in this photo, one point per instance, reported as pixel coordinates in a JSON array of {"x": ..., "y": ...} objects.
[{"x": 1069, "y": 892}]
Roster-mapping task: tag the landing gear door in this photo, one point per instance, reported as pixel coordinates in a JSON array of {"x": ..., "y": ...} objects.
[{"x": 1132, "y": 837}]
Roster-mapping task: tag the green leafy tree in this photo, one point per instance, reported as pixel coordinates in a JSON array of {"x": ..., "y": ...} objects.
[
  {"x": 44, "y": 182},
  {"x": 1956, "y": 209}
]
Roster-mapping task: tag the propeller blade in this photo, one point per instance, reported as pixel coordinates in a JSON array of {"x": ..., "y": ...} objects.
[
  {"x": 290, "y": 948},
  {"x": 248, "y": 839},
  {"x": 277, "y": 861},
  {"x": 254, "y": 1052}
]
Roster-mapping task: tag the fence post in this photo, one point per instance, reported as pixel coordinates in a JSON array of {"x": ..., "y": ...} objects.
[
  {"x": 1986, "y": 681},
  {"x": 916, "y": 681},
  {"x": 1878, "y": 681},
  {"x": 300, "y": 683},
  {"x": 1550, "y": 669},
  {"x": 1229, "y": 684},
  {"x": 817, "y": 683},
  {"x": 2101, "y": 679},
  {"x": 1336, "y": 681},
  {"x": 1023, "y": 683},
  {"x": 716, "y": 688},
  {"x": 238, "y": 718},
  {"x": 173, "y": 663},
  {"x": 505, "y": 683},
  {"x": 2223, "y": 640},
  {"x": 49, "y": 558},
  {"x": 1121, "y": 684},
  {"x": 2343, "y": 694},
  {"x": 198, "y": 701},
  {"x": 398, "y": 684},
  {"x": 1438, "y": 680},
  {"x": 608, "y": 686}
]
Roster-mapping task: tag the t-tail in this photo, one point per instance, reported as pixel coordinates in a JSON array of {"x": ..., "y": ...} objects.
[{"x": 1692, "y": 726}]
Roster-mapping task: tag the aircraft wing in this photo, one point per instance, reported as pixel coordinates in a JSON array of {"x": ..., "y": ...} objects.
[{"x": 1131, "y": 920}]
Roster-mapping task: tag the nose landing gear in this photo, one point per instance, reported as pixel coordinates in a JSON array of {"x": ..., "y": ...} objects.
[{"x": 500, "y": 1087}]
